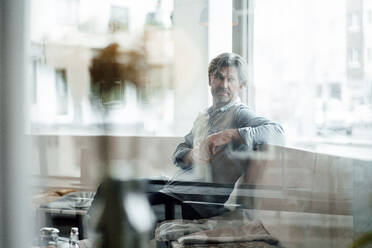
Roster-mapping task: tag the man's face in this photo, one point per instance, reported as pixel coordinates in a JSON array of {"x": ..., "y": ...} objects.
[{"x": 225, "y": 86}]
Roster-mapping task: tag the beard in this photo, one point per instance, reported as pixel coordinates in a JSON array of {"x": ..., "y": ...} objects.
[{"x": 221, "y": 97}]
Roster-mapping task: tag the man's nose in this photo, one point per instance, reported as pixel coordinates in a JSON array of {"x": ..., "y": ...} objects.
[{"x": 224, "y": 83}]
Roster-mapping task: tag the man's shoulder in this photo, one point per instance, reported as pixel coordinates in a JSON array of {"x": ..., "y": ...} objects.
[
  {"x": 244, "y": 112},
  {"x": 241, "y": 108}
]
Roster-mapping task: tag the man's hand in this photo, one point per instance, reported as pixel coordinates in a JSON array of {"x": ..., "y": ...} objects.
[
  {"x": 199, "y": 154},
  {"x": 207, "y": 148},
  {"x": 220, "y": 139}
]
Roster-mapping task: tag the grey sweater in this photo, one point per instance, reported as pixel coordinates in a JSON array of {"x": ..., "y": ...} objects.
[{"x": 253, "y": 129}]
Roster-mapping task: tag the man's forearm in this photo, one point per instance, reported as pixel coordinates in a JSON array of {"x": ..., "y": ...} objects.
[{"x": 269, "y": 133}]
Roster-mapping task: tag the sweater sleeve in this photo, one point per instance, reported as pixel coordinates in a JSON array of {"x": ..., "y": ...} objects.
[
  {"x": 256, "y": 130},
  {"x": 181, "y": 150}
]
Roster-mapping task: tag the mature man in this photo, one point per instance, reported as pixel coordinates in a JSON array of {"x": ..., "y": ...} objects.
[
  {"x": 227, "y": 126},
  {"x": 228, "y": 123}
]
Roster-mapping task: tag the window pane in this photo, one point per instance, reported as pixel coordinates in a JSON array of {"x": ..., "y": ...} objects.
[
  {"x": 310, "y": 74},
  {"x": 67, "y": 34}
]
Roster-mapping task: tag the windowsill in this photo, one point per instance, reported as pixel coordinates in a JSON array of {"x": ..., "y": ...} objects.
[
  {"x": 102, "y": 130},
  {"x": 340, "y": 146},
  {"x": 60, "y": 182}
]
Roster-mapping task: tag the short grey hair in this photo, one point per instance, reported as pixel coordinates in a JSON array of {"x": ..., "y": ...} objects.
[{"x": 227, "y": 60}]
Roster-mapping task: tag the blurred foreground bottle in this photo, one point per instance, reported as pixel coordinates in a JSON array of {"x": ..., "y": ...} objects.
[
  {"x": 121, "y": 215},
  {"x": 74, "y": 238},
  {"x": 49, "y": 237}
]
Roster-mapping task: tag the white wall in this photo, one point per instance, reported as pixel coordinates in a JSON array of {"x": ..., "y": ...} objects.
[{"x": 82, "y": 156}]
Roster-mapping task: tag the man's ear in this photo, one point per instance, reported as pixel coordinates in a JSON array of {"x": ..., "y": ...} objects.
[{"x": 241, "y": 85}]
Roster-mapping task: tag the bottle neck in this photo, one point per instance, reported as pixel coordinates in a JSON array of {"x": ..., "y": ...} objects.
[{"x": 74, "y": 237}]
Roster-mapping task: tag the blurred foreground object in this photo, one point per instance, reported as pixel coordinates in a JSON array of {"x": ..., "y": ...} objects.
[
  {"x": 123, "y": 216},
  {"x": 111, "y": 69},
  {"x": 49, "y": 237},
  {"x": 74, "y": 238}
]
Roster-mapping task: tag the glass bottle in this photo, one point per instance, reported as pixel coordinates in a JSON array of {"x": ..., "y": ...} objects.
[
  {"x": 49, "y": 237},
  {"x": 74, "y": 238}
]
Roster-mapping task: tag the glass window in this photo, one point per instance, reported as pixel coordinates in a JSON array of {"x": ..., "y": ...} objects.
[
  {"x": 132, "y": 124},
  {"x": 354, "y": 57},
  {"x": 61, "y": 92},
  {"x": 66, "y": 39},
  {"x": 353, "y": 22},
  {"x": 118, "y": 19},
  {"x": 335, "y": 91},
  {"x": 300, "y": 53},
  {"x": 67, "y": 12}
]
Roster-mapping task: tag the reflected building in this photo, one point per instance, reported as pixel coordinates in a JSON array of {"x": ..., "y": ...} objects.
[
  {"x": 359, "y": 57},
  {"x": 308, "y": 57},
  {"x": 62, "y": 48}
]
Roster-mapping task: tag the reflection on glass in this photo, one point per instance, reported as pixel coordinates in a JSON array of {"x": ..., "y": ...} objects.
[
  {"x": 61, "y": 92},
  {"x": 143, "y": 113},
  {"x": 306, "y": 48},
  {"x": 65, "y": 40}
]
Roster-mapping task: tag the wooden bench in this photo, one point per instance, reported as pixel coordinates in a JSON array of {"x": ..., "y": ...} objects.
[
  {"x": 305, "y": 199},
  {"x": 309, "y": 199}
]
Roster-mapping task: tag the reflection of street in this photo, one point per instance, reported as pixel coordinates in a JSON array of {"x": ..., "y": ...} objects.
[
  {"x": 362, "y": 133},
  {"x": 346, "y": 150},
  {"x": 357, "y": 145}
]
